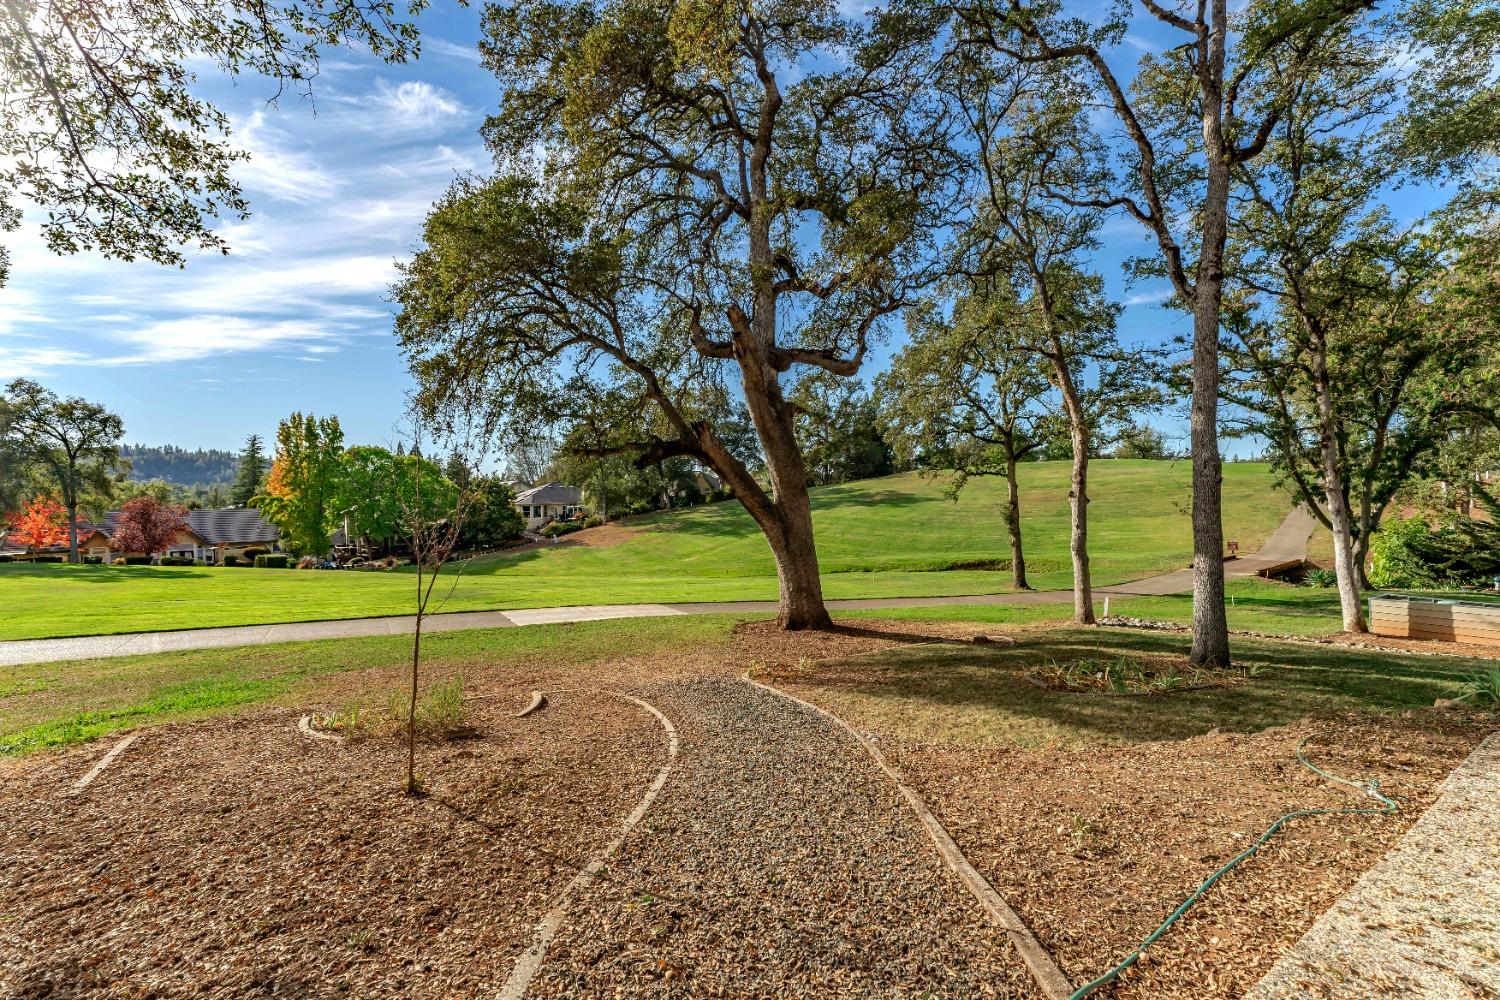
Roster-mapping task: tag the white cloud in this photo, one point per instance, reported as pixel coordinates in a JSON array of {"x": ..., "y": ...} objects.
[
  {"x": 410, "y": 106},
  {"x": 247, "y": 289},
  {"x": 211, "y": 334},
  {"x": 1149, "y": 297},
  {"x": 29, "y": 362},
  {"x": 431, "y": 43},
  {"x": 275, "y": 168}
]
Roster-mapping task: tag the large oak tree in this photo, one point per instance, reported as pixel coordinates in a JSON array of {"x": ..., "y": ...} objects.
[{"x": 689, "y": 193}]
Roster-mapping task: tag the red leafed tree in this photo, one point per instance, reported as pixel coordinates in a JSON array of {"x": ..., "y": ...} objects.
[
  {"x": 147, "y": 525},
  {"x": 42, "y": 524}
]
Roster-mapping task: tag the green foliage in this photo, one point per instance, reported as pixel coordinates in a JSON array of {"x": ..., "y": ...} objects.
[
  {"x": 272, "y": 562},
  {"x": 1322, "y": 578},
  {"x": 492, "y": 518},
  {"x": 380, "y": 492},
  {"x": 841, "y": 430},
  {"x": 1410, "y": 554},
  {"x": 250, "y": 476},
  {"x": 301, "y": 492},
  {"x": 1483, "y": 688},
  {"x": 72, "y": 443},
  {"x": 556, "y": 528},
  {"x": 103, "y": 126}
]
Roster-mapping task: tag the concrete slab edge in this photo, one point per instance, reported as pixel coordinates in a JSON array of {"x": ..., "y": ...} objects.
[{"x": 1049, "y": 978}]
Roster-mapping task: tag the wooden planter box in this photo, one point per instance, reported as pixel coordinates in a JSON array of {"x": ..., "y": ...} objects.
[{"x": 1435, "y": 618}]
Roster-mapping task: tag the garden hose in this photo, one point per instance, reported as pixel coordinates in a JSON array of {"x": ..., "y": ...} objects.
[{"x": 1370, "y": 788}]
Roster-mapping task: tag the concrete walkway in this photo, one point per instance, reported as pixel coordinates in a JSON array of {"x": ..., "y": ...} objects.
[
  {"x": 1288, "y": 542},
  {"x": 1425, "y": 921}
]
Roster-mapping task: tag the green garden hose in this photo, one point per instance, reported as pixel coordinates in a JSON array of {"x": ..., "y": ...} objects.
[{"x": 1370, "y": 788}]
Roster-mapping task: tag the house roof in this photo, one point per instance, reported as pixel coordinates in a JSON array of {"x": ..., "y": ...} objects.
[
  {"x": 232, "y": 526},
  {"x": 225, "y": 526},
  {"x": 556, "y": 493}
]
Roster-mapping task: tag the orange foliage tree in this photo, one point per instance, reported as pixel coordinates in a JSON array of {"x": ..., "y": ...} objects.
[{"x": 41, "y": 524}]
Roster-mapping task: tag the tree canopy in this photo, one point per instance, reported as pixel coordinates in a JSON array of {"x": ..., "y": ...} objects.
[
  {"x": 682, "y": 187},
  {"x": 102, "y": 126}
]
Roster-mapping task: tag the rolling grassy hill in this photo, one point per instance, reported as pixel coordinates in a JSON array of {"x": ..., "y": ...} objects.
[{"x": 889, "y": 537}]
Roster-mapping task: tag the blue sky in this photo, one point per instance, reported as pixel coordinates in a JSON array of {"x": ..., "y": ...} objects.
[{"x": 297, "y": 316}]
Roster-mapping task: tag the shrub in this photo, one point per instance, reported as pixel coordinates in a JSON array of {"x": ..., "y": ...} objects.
[
  {"x": 560, "y": 528},
  {"x": 137, "y": 560},
  {"x": 1321, "y": 578},
  {"x": 177, "y": 561},
  {"x": 1394, "y": 559},
  {"x": 93, "y": 560},
  {"x": 231, "y": 560},
  {"x": 1483, "y": 689},
  {"x": 48, "y": 559},
  {"x": 271, "y": 562},
  {"x": 7, "y": 559},
  {"x": 255, "y": 550},
  {"x": 309, "y": 562}
]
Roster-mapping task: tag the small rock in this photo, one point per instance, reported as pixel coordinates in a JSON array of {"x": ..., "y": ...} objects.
[
  {"x": 994, "y": 640},
  {"x": 1447, "y": 703}
]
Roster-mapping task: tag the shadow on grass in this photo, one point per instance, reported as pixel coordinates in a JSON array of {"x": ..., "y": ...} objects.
[
  {"x": 90, "y": 573},
  {"x": 981, "y": 694}
]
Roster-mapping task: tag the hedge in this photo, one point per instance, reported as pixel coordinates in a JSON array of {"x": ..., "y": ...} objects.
[{"x": 270, "y": 562}]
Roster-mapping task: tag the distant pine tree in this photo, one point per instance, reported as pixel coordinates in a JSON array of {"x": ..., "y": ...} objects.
[{"x": 252, "y": 472}]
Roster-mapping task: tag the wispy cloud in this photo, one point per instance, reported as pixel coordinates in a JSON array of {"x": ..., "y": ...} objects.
[
  {"x": 1148, "y": 297},
  {"x": 409, "y": 106},
  {"x": 207, "y": 335}
]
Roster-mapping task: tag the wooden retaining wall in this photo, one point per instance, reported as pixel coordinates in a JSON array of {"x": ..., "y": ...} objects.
[{"x": 1432, "y": 618}]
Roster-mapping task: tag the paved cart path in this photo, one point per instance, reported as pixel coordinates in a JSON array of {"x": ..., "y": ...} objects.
[
  {"x": 1425, "y": 921},
  {"x": 1287, "y": 543}
]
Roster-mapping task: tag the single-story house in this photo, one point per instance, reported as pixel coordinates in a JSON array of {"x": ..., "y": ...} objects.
[
  {"x": 548, "y": 502},
  {"x": 209, "y": 536}
]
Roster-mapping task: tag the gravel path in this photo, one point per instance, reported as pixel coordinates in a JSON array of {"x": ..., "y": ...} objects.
[
  {"x": 778, "y": 863},
  {"x": 1425, "y": 921}
]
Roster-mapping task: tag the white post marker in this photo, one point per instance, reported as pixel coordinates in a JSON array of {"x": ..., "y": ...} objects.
[{"x": 1106, "y": 605}]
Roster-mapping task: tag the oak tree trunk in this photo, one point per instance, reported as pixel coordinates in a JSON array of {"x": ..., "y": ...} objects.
[
  {"x": 1078, "y": 511},
  {"x": 1210, "y": 624},
  {"x": 1339, "y": 517},
  {"x": 1013, "y": 521},
  {"x": 72, "y": 510}
]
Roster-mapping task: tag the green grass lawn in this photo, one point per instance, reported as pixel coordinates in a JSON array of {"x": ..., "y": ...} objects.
[
  {"x": 56, "y": 704},
  {"x": 1254, "y": 606},
  {"x": 946, "y": 692},
  {"x": 891, "y": 537}
]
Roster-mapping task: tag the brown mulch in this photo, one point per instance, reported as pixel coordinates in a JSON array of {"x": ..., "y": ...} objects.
[
  {"x": 1095, "y": 847},
  {"x": 237, "y": 857}
]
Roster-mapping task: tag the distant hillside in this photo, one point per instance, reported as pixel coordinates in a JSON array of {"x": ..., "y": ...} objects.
[{"x": 200, "y": 467}]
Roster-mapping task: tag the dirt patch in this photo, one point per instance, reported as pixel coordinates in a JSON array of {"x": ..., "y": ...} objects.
[
  {"x": 238, "y": 857},
  {"x": 1095, "y": 847}
]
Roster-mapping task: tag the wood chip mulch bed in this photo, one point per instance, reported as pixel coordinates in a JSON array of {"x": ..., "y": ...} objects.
[
  {"x": 236, "y": 857},
  {"x": 1095, "y": 847}
]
